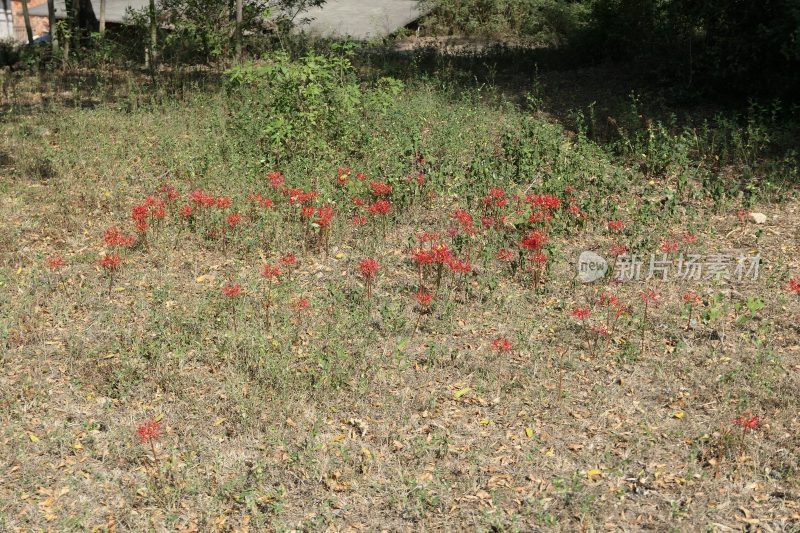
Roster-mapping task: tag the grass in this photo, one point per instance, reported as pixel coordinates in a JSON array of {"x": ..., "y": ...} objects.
[{"x": 355, "y": 413}]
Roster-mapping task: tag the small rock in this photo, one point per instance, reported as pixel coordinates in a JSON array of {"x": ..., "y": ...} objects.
[{"x": 758, "y": 218}]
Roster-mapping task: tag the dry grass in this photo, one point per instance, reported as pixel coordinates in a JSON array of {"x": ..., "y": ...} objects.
[{"x": 346, "y": 418}]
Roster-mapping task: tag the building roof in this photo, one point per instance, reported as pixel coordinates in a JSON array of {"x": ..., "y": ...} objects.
[{"x": 358, "y": 19}]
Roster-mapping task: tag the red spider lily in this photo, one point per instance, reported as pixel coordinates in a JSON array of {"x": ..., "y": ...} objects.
[
  {"x": 275, "y": 179},
  {"x": 423, "y": 298},
  {"x": 742, "y": 214},
  {"x": 691, "y": 299},
  {"x": 427, "y": 236},
  {"x": 460, "y": 266},
  {"x": 115, "y": 238},
  {"x": 170, "y": 192},
  {"x": 223, "y": 202},
  {"x": 581, "y": 313},
  {"x": 452, "y": 231},
  {"x": 422, "y": 256},
  {"x": 600, "y": 330},
  {"x": 233, "y": 219},
  {"x": 463, "y": 218},
  {"x": 289, "y": 260},
  {"x": 139, "y": 214},
  {"x": 301, "y": 304},
  {"x": 307, "y": 211},
  {"x": 185, "y": 211},
  {"x": 650, "y": 296},
  {"x": 232, "y": 291},
  {"x": 575, "y": 210},
  {"x": 534, "y": 241},
  {"x": 616, "y": 225},
  {"x": 111, "y": 262},
  {"x": 359, "y": 202},
  {"x": 747, "y": 422},
  {"x": 148, "y": 431},
  {"x": 544, "y": 201},
  {"x": 361, "y": 176},
  {"x": 380, "y": 208},
  {"x": 358, "y": 220},
  {"x": 324, "y": 217},
  {"x": 505, "y": 255},
  {"x": 618, "y": 249},
  {"x": 689, "y": 238},
  {"x": 502, "y": 345},
  {"x": 380, "y": 188},
  {"x": 271, "y": 272},
  {"x": 200, "y": 198},
  {"x": 607, "y": 299},
  {"x": 669, "y": 246},
  {"x": 55, "y": 262},
  {"x": 368, "y": 268},
  {"x": 794, "y": 285},
  {"x": 488, "y": 222},
  {"x": 540, "y": 259},
  {"x": 150, "y": 201},
  {"x": 159, "y": 211}
]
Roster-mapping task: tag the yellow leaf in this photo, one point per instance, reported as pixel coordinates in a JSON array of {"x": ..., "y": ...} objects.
[
  {"x": 461, "y": 392},
  {"x": 339, "y": 438},
  {"x": 77, "y": 445},
  {"x": 593, "y": 473},
  {"x": 486, "y": 421},
  {"x": 340, "y": 255},
  {"x": 159, "y": 417},
  {"x": 549, "y": 452},
  {"x": 679, "y": 415},
  {"x": 33, "y": 437},
  {"x": 219, "y": 421},
  {"x": 529, "y": 432},
  {"x": 200, "y": 279}
]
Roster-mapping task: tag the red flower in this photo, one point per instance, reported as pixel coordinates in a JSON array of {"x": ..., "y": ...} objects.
[
  {"x": 223, "y": 202},
  {"x": 234, "y": 219},
  {"x": 794, "y": 285},
  {"x": 358, "y": 220},
  {"x": 607, "y": 298},
  {"x": 747, "y": 422},
  {"x": 457, "y": 265},
  {"x": 501, "y": 345},
  {"x": 650, "y": 296},
  {"x": 487, "y": 222},
  {"x": 427, "y": 236},
  {"x": 271, "y": 272},
  {"x": 380, "y": 207},
  {"x": 669, "y": 246},
  {"x": 289, "y": 260},
  {"x": 55, "y": 262},
  {"x": 534, "y": 241},
  {"x": 301, "y": 304},
  {"x": 275, "y": 179},
  {"x": 148, "y": 431},
  {"x": 581, "y": 313},
  {"x": 307, "y": 211},
  {"x": 618, "y": 249},
  {"x": 201, "y": 198},
  {"x": 380, "y": 188},
  {"x": 424, "y": 298},
  {"x": 368, "y": 267},
  {"x": 422, "y": 256},
  {"x": 359, "y": 202},
  {"x": 504, "y": 254},
  {"x": 742, "y": 214},
  {"x": 540, "y": 258},
  {"x": 689, "y": 238},
  {"x": 139, "y": 213},
  {"x": 691, "y": 298},
  {"x": 324, "y": 217},
  {"x": 111, "y": 262},
  {"x": 185, "y": 211},
  {"x": 232, "y": 291},
  {"x": 616, "y": 225},
  {"x": 361, "y": 176},
  {"x": 114, "y": 237}
]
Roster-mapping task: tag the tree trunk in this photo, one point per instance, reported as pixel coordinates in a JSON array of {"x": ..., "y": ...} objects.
[
  {"x": 51, "y": 15},
  {"x": 238, "y": 34},
  {"x": 153, "y": 34},
  {"x": 27, "y": 18},
  {"x": 102, "y": 17}
]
